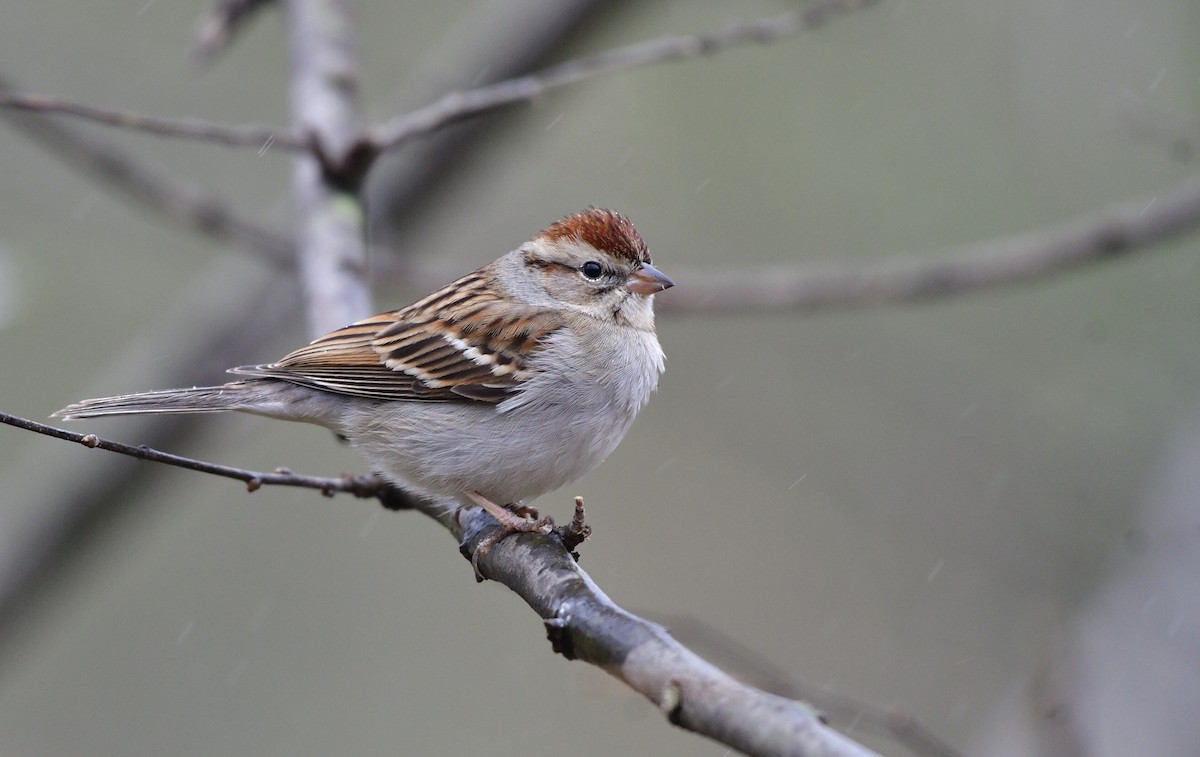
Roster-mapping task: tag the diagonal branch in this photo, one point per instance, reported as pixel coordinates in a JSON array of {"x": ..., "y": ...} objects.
[
  {"x": 360, "y": 486},
  {"x": 581, "y": 621},
  {"x": 584, "y": 624},
  {"x": 120, "y": 171},
  {"x": 457, "y": 106}
]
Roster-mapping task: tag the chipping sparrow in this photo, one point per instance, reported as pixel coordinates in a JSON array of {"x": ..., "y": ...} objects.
[{"x": 510, "y": 382}]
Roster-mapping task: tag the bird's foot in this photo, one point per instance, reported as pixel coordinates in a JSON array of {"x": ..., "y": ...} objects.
[{"x": 522, "y": 520}]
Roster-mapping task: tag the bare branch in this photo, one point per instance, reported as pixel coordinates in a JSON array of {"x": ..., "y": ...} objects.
[
  {"x": 584, "y": 624},
  {"x": 1115, "y": 232},
  {"x": 332, "y": 252},
  {"x": 1121, "y": 230},
  {"x": 360, "y": 486},
  {"x": 503, "y": 38},
  {"x": 457, "y": 106},
  {"x": 581, "y": 621},
  {"x": 215, "y": 30},
  {"x": 752, "y": 666},
  {"x": 120, "y": 171},
  {"x": 185, "y": 128},
  {"x": 353, "y": 153}
]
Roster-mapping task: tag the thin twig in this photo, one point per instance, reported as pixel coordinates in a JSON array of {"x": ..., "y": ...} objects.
[
  {"x": 186, "y": 128},
  {"x": 357, "y": 152},
  {"x": 120, "y": 171},
  {"x": 457, "y": 106},
  {"x": 502, "y": 39},
  {"x": 360, "y": 486}
]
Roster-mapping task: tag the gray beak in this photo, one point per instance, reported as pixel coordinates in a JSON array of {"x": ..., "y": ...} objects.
[{"x": 648, "y": 280}]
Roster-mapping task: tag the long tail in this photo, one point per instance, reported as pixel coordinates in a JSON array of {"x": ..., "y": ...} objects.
[{"x": 238, "y": 395}]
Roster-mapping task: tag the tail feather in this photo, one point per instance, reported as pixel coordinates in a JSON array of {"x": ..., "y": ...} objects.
[{"x": 199, "y": 399}]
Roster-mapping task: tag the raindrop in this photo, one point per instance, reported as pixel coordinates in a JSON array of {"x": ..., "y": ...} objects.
[
  {"x": 937, "y": 568},
  {"x": 1162, "y": 72},
  {"x": 186, "y": 632},
  {"x": 369, "y": 526}
]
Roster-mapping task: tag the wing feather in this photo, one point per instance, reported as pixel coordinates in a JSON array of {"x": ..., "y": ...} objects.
[{"x": 435, "y": 350}]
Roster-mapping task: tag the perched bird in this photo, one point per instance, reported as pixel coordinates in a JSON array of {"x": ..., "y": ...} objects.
[{"x": 510, "y": 382}]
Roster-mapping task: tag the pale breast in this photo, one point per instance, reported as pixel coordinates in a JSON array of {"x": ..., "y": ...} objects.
[{"x": 557, "y": 427}]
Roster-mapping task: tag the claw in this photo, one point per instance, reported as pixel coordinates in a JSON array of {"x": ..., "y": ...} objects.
[{"x": 510, "y": 523}]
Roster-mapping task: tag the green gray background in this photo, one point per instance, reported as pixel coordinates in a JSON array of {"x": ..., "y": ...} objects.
[{"x": 909, "y": 505}]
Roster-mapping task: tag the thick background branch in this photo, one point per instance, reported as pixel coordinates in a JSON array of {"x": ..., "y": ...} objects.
[{"x": 332, "y": 221}]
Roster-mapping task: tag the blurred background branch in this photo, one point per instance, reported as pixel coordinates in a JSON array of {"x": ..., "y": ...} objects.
[{"x": 331, "y": 244}]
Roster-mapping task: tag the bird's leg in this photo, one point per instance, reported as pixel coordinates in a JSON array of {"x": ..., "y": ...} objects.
[
  {"x": 510, "y": 523},
  {"x": 525, "y": 511}
]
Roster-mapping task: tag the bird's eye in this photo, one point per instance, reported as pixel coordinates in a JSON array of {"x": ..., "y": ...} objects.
[{"x": 591, "y": 270}]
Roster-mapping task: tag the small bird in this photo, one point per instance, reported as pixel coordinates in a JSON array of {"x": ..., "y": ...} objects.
[{"x": 510, "y": 382}]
